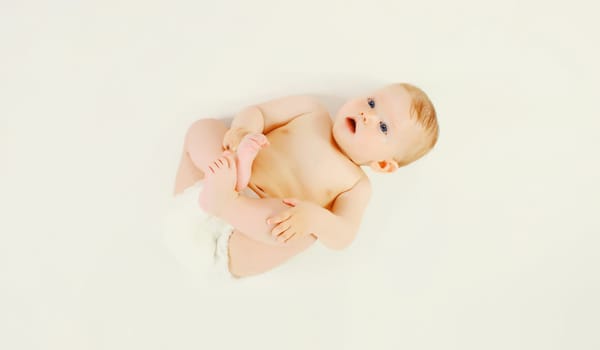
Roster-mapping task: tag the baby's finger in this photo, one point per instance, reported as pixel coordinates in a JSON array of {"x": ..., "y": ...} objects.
[
  {"x": 281, "y": 228},
  {"x": 228, "y": 141},
  {"x": 279, "y": 218},
  {"x": 285, "y": 237}
]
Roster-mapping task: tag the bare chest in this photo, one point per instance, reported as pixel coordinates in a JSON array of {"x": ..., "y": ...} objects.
[{"x": 302, "y": 162}]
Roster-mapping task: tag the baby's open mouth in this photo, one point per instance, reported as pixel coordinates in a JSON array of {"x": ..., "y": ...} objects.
[{"x": 351, "y": 123}]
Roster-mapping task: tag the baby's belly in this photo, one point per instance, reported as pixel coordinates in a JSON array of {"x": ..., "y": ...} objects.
[
  {"x": 275, "y": 177},
  {"x": 276, "y": 184}
]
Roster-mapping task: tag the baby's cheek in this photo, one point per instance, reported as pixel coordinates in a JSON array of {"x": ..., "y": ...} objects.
[{"x": 357, "y": 104}]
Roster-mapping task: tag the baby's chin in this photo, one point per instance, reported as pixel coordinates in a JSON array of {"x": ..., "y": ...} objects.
[{"x": 347, "y": 151}]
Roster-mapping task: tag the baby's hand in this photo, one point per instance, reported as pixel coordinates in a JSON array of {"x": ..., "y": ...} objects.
[
  {"x": 233, "y": 137},
  {"x": 296, "y": 222}
]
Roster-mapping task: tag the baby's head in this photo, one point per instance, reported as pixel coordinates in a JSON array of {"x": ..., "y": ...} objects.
[{"x": 387, "y": 129}]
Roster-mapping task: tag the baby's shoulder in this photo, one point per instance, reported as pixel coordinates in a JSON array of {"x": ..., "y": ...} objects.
[
  {"x": 317, "y": 114},
  {"x": 315, "y": 120},
  {"x": 350, "y": 175}
]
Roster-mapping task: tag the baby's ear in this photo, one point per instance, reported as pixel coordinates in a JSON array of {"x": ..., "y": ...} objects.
[{"x": 384, "y": 166}]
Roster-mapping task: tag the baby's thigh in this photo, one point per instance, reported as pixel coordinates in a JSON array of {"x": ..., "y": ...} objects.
[
  {"x": 202, "y": 144},
  {"x": 204, "y": 141},
  {"x": 249, "y": 257}
]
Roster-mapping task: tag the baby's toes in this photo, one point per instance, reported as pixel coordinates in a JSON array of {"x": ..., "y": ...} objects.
[
  {"x": 229, "y": 161},
  {"x": 260, "y": 139},
  {"x": 257, "y": 139},
  {"x": 216, "y": 166}
]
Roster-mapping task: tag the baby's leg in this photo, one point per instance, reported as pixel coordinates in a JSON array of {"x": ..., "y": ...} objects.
[
  {"x": 202, "y": 145},
  {"x": 219, "y": 198},
  {"x": 246, "y": 152},
  {"x": 249, "y": 254},
  {"x": 247, "y": 257}
]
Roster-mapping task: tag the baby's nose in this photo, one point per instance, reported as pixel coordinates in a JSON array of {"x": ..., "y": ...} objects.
[{"x": 365, "y": 117}]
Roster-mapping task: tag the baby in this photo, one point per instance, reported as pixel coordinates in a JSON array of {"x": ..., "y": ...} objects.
[{"x": 306, "y": 169}]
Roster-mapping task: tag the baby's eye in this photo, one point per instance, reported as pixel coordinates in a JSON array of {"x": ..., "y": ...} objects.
[
  {"x": 371, "y": 102},
  {"x": 383, "y": 127}
]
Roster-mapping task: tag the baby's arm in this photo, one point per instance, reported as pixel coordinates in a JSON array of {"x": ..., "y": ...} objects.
[
  {"x": 336, "y": 229},
  {"x": 249, "y": 215},
  {"x": 268, "y": 221},
  {"x": 347, "y": 213},
  {"x": 267, "y": 116}
]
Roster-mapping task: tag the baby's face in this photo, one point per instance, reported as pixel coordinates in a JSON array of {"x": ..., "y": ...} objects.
[{"x": 377, "y": 127}]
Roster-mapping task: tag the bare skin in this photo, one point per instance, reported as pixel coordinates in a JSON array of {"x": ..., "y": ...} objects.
[
  {"x": 247, "y": 256},
  {"x": 247, "y": 151},
  {"x": 311, "y": 159}
]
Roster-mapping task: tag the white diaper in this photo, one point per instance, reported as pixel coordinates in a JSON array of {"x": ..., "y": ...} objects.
[{"x": 199, "y": 241}]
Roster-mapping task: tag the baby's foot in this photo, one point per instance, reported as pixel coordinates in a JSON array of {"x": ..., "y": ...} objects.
[
  {"x": 219, "y": 185},
  {"x": 246, "y": 152}
]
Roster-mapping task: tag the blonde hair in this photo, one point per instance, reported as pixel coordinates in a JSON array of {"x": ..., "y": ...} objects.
[{"x": 423, "y": 112}]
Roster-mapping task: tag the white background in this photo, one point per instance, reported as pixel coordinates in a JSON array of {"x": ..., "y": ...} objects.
[{"x": 489, "y": 242}]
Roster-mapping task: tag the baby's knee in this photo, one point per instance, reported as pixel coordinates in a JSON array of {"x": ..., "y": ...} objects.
[
  {"x": 205, "y": 129},
  {"x": 205, "y": 125}
]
